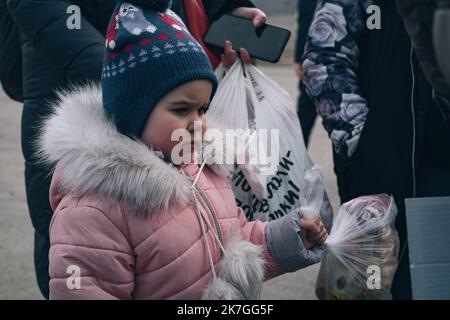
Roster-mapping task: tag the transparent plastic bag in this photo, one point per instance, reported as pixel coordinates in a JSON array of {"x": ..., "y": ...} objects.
[
  {"x": 361, "y": 252},
  {"x": 311, "y": 192}
]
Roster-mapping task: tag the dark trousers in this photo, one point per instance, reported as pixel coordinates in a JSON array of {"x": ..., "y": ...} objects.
[{"x": 306, "y": 113}]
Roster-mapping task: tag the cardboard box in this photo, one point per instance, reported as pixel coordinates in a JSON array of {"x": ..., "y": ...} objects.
[{"x": 428, "y": 222}]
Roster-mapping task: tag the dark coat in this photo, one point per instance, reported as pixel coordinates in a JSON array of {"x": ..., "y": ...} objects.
[
  {"x": 10, "y": 56},
  {"x": 53, "y": 56}
]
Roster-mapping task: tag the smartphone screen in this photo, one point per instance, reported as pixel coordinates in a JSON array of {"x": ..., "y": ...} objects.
[{"x": 266, "y": 42}]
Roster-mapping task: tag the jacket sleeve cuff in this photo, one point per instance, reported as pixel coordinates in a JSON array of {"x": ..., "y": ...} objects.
[{"x": 284, "y": 243}]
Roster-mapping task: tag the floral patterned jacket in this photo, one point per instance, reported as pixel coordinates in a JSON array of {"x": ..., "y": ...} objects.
[{"x": 330, "y": 65}]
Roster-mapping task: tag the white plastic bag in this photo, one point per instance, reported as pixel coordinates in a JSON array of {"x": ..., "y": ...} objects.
[
  {"x": 247, "y": 99},
  {"x": 361, "y": 252},
  {"x": 228, "y": 111}
]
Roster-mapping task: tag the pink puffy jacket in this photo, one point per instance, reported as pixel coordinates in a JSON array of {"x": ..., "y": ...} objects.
[{"x": 126, "y": 224}]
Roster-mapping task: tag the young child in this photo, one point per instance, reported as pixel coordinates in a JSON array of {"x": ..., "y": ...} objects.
[{"x": 128, "y": 223}]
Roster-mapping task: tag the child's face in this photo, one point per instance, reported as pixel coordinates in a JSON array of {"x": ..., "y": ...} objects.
[{"x": 179, "y": 109}]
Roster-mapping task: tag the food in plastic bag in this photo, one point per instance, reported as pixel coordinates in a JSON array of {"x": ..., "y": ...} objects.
[
  {"x": 361, "y": 252},
  {"x": 266, "y": 189}
]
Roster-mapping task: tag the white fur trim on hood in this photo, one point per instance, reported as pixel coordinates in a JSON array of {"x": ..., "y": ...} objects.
[{"x": 97, "y": 158}]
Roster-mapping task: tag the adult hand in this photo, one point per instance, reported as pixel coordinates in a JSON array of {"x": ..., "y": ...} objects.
[
  {"x": 257, "y": 16},
  {"x": 298, "y": 70},
  {"x": 230, "y": 55}
]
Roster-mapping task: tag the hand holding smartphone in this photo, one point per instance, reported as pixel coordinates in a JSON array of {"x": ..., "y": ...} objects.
[{"x": 266, "y": 42}]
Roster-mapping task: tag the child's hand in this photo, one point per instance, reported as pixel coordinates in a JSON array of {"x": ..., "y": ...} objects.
[
  {"x": 231, "y": 56},
  {"x": 314, "y": 232}
]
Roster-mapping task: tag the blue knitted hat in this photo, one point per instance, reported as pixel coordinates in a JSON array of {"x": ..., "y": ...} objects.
[{"x": 149, "y": 52}]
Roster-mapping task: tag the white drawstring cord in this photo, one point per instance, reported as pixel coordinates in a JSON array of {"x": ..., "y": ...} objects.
[
  {"x": 200, "y": 219},
  {"x": 199, "y": 172},
  {"x": 207, "y": 220}
]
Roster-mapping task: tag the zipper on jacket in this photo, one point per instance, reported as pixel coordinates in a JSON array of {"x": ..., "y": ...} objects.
[
  {"x": 414, "y": 122},
  {"x": 403, "y": 250},
  {"x": 216, "y": 221}
]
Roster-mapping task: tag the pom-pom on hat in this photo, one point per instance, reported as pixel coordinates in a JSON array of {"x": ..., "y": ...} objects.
[{"x": 149, "y": 52}]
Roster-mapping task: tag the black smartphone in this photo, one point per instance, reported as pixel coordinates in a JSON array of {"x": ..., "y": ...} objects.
[{"x": 266, "y": 42}]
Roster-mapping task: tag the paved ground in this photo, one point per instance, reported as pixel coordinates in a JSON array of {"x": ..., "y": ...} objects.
[{"x": 17, "y": 279}]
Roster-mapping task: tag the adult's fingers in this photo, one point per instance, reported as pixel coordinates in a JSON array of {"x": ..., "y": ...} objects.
[
  {"x": 230, "y": 56},
  {"x": 298, "y": 70},
  {"x": 245, "y": 56},
  {"x": 228, "y": 47},
  {"x": 259, "y": 18}
]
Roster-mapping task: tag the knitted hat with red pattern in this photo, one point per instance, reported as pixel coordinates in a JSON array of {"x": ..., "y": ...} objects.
[{"x": 149, "y": 52}]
